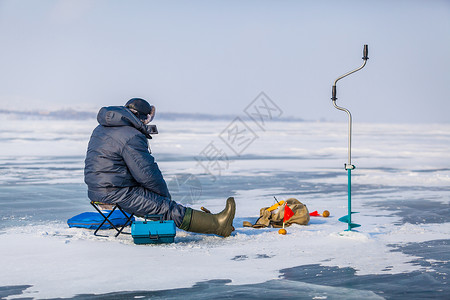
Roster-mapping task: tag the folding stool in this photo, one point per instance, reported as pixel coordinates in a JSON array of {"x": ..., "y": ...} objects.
[{"x": 97, "y": 205}]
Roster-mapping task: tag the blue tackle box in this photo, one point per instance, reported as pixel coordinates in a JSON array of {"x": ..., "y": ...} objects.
[{"x": 153, "y": 230}]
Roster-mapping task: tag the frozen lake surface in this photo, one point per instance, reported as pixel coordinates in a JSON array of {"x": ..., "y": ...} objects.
[{"x": 401, "y": 187}]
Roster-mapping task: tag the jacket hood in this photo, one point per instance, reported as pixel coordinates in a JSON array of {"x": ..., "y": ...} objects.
[{"x": 116, "y": 116}]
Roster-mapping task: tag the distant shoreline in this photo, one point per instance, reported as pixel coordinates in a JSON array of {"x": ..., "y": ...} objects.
[{"x": 72, "y": 114}]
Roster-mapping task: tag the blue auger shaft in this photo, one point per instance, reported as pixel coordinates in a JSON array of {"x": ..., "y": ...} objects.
[{"x": 349, "y": 172}]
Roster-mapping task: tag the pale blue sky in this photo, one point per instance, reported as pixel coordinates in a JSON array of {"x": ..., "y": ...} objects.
[{"x": 217, "y": 56}]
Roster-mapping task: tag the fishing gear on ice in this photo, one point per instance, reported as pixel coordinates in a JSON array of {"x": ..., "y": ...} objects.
[{"x": 273, "y": 216}]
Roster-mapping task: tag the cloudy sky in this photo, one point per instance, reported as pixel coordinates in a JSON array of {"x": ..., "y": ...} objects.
[{"x": 217, "y": 56}]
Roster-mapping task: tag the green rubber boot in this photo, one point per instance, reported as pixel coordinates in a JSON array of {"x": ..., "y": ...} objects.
[{"x": 202, "y": 222}]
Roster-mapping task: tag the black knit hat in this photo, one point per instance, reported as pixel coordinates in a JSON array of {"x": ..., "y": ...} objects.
[{"x": 142, "y": 107}]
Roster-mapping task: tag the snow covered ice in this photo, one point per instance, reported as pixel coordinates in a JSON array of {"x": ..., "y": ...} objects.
[{"x": 401, "y": 187}]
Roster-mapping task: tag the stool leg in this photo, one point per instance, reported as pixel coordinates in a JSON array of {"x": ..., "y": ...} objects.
[
  {"x": 126, "y": 223},
  {"x": 105, "y": 219}
]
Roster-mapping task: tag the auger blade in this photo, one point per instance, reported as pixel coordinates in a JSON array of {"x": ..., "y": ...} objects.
[
  {"x": 353, "y": 225},
  {"x": 345, "y": 218}
]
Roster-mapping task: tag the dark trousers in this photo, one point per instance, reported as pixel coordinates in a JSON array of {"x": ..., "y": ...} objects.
[{"x": 141, "y": 202}]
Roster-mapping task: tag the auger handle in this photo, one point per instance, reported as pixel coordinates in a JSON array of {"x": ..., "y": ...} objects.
[
  {"x": 365, "y": 58},
  {"x": 366, "y": 52}
]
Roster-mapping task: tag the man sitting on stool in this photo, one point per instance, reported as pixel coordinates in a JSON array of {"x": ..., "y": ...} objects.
[{"x": 119, "y": 169}]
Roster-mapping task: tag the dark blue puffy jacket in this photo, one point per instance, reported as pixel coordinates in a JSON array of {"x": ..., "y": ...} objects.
[{"x": 118, "y": 156}]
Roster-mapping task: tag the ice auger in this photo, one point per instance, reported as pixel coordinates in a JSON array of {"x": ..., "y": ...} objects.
[{"x": 348, "y": 166}]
